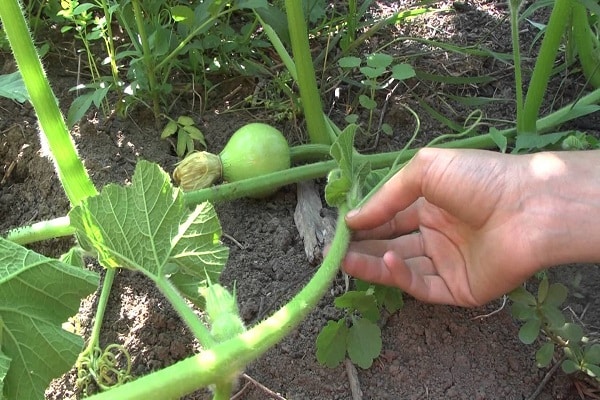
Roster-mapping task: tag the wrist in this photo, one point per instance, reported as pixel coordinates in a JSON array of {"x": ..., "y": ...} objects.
[{"x": 562, "y": 206}]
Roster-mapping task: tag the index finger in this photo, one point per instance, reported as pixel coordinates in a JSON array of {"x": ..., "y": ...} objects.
[{"x": 402, "y": 190}]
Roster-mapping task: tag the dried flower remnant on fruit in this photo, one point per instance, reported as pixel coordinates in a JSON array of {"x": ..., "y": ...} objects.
[{"x": 198, "y": 170}]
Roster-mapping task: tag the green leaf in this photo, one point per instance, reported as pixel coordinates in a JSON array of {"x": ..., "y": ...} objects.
[
  {"x": 571, "y": 332},
  {"x": 331, "y": 343},
  {"x": 12, "y": 87},
  {"x": 82, "y": 104},
  {"x": 500, "y": 140},
  {"x": 37, "y": 294},
  {"x": 371, "y": 72},
  {"x": 181, "y": 13},
  {"x": 364, "y": 342},
  {"x": 592, "y": 354},
  {"x": 379, "y": 60},
  {"x": 349, "y": 62},
  {"x": 521, "y": 295},
  {"x": 337, "y": 187},
  {"x": 389, "y": 297},
  {"x": 522, "y": 311},
  {"x": 592, "y": 370},
  {"x": 342, "y": 150},
  {"x": 402, "y": 72},
  {"x": 4, "y": 365},
  {"x": 252, "y": 4},
  {"x": 184, "y": 120},
  {"x": 543, "y": 356},
  {"x": 169, "y": 129},
  {"x": 555, "y": 317},
  {"x": 569, "y": 366},
  {"x": 360, "y": 301},
  {"x": 195, "y": 134},
  {"x": 532, "y": 142},
  {"x": 346, "y": 181},
  {"x": 189, "y": 286},
  {"x": 387, "y": 129},
  {"x": 83, "y": 8},
  {"x": 351, "y": 119},
  {"x": 146, "y": 226},
  {"x": 557, "y": 294},
  {"x": 73, "y": 257},
  {"x": 543, "y": 290},
  {"x": 530, "y": 331},
  {"x": 182, "y": 141},
  {"x": 374, "y": 177},
  {"x": 367, "y": 102}
]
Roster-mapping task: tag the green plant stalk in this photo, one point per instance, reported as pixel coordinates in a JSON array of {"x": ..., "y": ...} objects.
[
  {"x": 279, "y": 48},
  {"x": 61, "y": 226},
  {"x": 192, "y": 321},
  {"x": 309, "y": 152},
  {"x": 94, "y": 340},
  {"x": 352, "y": 20},
  {"x": 223, "y": 391},
  {"x": 71, "y": 172},
  {"x": 43, "y": 230},
  {"x": 189, "y": 37},
  {"x": 514, "y": 6},
  {"x": 147, "y": 57},
  {"x": 582, "y": 37},
  {"x": 109, "y": 42},
  {"x": 309, "y": 92},
  {"x": 555, "y": 29},
  {"x": 231, "y": 356}
]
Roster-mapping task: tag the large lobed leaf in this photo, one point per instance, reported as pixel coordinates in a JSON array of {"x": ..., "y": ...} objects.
[
  {"x": 37, "y": 294},
  {"x": 147, "y": 227}
]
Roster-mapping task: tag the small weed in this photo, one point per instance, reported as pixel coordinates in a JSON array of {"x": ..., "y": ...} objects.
[
  {"x": 377, "y": 72},
  {"x": 187, "y": 135},
  {"x": 543, "y": 318},
  {"x": 357, "y": 333}
]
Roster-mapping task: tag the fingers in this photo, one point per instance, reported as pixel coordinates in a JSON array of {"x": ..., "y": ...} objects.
[
  {"x": 408, "y": 245},
  {"x": 416, "y": 276},
  {"x": 402, "y": 190}
]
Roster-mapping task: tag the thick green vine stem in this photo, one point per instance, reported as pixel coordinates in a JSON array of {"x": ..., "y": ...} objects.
[
  {"x": 147, "y": 57},
  {"x": 71, "y": 172},
  {"x": 587, "y": 52},
  {"x": 544, "y": 64},
  {"x": 224, "y": 360},
  {"x": 514, "y": 6},
  {"x": 309, "y": 92}
]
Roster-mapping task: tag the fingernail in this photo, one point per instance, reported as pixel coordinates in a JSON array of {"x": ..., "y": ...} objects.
[{"x": 353, "y": 213}]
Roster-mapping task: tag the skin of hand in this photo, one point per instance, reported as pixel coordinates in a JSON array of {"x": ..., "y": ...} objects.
[{"x": 463, "y": 227}]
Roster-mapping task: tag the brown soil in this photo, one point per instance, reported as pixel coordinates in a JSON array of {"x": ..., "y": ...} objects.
[{"x": 429, "y": 352}]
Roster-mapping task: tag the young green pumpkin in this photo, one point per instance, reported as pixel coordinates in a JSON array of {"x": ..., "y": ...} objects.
[{"x": 253, "y": 150}]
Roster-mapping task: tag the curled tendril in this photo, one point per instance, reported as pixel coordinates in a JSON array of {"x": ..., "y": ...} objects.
[{"x": 101, "y": 367}]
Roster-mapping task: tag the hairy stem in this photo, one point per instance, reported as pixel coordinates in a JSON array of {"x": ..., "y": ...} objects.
[
  {"x": 544, "y": 64},
  {"x": 71, "y": 172},
  {"x": 309, "y": 92},
  {"x": 588, "y": 54},
  {"x": 94, "y": 340},
  {"x": 147, "y": 57},
  {"x": 193, "y": 322},
  {"x": 514, "y": 6}
]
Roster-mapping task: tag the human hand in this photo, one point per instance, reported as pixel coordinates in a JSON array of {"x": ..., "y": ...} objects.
[{"x": 457, "y": 227}]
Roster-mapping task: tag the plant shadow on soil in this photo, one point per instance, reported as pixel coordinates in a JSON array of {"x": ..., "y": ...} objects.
[{"x": 429, "y": 352}]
